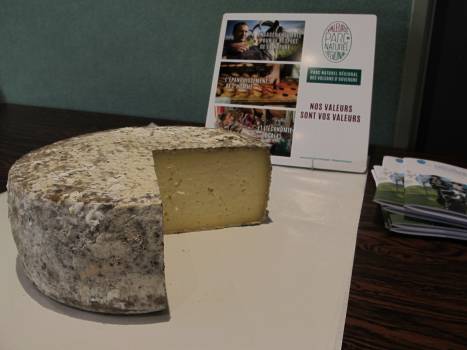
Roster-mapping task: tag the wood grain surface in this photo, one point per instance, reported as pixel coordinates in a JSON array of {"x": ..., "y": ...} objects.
[{"x": 406, "y": 292}]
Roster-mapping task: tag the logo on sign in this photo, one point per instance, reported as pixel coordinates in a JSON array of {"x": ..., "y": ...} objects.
[{"x": 337, "y": 42}]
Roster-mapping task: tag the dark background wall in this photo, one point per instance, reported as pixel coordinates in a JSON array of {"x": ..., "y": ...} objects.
[
  {"x": 155, "y": 58},
  {"x": 443, "y": 121}
]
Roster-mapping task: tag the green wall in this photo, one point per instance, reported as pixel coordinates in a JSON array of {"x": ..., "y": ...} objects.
[{"x": 155, "y": 58}]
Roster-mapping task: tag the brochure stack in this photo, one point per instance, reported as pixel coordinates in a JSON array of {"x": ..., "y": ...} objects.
[{"x": 422, "y": 197}]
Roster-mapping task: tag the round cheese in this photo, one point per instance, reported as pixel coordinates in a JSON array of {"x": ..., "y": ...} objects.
[{"x": 86, "y": 215}]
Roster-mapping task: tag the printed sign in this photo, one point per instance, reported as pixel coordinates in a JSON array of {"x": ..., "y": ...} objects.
[{"x": 300, "y": 82}]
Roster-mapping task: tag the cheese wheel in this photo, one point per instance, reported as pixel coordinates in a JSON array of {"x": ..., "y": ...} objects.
[{"x": 87, "y": 213}]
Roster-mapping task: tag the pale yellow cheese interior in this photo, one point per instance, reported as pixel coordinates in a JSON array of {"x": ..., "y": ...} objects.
[{"x": 205, "y": 189}]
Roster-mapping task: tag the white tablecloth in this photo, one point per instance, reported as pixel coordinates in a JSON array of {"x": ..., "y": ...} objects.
[{"x": 280, "y": 285}]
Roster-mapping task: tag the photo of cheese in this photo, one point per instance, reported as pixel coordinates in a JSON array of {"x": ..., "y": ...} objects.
[{"x": 259, "y": 84}]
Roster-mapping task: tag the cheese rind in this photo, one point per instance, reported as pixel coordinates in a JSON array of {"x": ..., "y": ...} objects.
[
  {"x": 86, "y": 215},
  {"x": 93, "y": 256}
]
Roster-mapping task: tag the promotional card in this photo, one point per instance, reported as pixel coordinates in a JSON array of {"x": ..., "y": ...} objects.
[{"x": 300, "y": 82}]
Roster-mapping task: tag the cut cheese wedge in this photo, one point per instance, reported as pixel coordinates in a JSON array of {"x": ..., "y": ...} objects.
[{"x": 206, "y": 188}]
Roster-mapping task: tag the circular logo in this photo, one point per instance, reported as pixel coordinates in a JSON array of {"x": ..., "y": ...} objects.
[{"x": 337, "y": 42}]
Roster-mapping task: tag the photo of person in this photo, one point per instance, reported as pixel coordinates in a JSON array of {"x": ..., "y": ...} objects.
[
  {"x": 270, "y": 40},
  {"x": 274, "y": 127},
  {"x": 258, "y": 84}
]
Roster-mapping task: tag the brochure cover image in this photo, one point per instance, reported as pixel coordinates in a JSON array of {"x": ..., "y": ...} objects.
[
  {"x": 390, "y": 189},
  {"x": 264, "y": 40},
  {"x": 274, "y": 127},
  {"x": 433, "y": 185},
  {"x": 261, "y": 84}
]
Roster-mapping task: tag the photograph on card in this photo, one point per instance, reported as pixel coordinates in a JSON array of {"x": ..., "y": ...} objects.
[
  {"x": 263, "y": 84},
  {"x": 274, "y": 127},
  {"x": 270, "y": 40}
]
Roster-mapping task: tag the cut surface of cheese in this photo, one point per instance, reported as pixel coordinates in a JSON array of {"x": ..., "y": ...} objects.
[
  {"x": 87, "y": 214},
  {"x": 205, "y": 189}
]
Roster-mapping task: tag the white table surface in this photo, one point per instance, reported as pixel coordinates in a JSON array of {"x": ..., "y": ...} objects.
[{"x": 281, "y": 285}]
